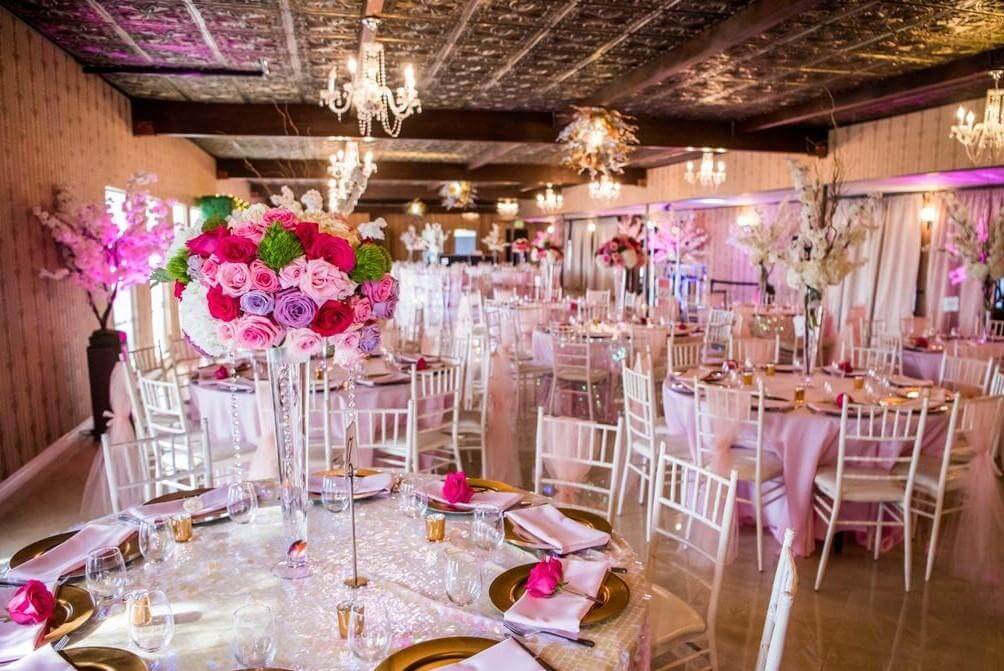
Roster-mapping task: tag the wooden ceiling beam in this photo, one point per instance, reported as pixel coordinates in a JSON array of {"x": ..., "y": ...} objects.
[
  {"x": 889, "y": 93},
  {"x": 757, "y": 17}
]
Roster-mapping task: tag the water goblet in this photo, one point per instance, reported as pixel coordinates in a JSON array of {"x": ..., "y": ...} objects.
[
  {"x": 105, "y": 573},
  {"x": 335, "y": 493},
  {"x": 156, "y": 540},
  {"x": 253, "y": 635},
  {"x": 463, "y": 577},
  {"x": 404, "y": 493},
  {"x": 242, "y": 502},
  {"x": 151, "y": 620},
  {"x": 369, "y": 632},
  {"x": 487, "y": 528}
]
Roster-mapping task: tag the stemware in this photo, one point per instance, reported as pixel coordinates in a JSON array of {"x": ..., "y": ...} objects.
[
  {"x": 463, "y": 577},
  {"x": 487, "y": 529},
  {"x": 335, "y": 493},
  {"x": 156, "y": 540},
  {"x": 105, "y": 573},
  {"x": 253, "y": 640},
  {"x": 369, "y": 632},
  {"x": 242, "y": 502},
  {"x": 151, "y": 620}
]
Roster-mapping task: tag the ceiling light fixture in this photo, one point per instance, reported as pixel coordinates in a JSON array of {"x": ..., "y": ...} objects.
[
  {"x": 458, "y": 195},
  {"x": 986, "y": 137},
  {"x": 550, "y": 201},
  {"x": 709, "y": 173},
  {"x": 507, "y": 208},
  {"x": 415, "y": 208},
  {"x": 349, "y": 177},
  {"x": 604, "y": 188}
]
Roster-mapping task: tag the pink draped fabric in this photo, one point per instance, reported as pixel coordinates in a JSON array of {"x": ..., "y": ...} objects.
[
  {"x": 564, "y": 440},
  {"x": 501, "y": 443}
]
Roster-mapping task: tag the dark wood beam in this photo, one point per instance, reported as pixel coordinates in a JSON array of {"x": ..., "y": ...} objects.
[
  {"x": 191, "y": 119},
  {"x": 756, "y": 18},
  {"x": 890, "y": 93},
  {"x": 390, "y": 171},
  {"x": 497, "y": 151}
]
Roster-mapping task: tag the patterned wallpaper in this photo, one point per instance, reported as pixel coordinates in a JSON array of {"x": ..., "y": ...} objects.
[{"x": 58, "y": 125}]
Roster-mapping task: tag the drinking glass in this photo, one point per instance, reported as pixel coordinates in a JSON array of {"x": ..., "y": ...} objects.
[
  {"x": 463, "y": 577},
  {"x": 253, "y": 641},
  {"x": 151, "y": 620},
  {"x": 335, "y": 493},
  {"x": 419, "y": 503},
  {"x": 156, "y": 539},
  {"x": 105, "y": 573},
  {"x": 369, "y": 632},
  {"x": 242, "y": 502},
  {"x": 487, "y": 529},
  {"x": 404, "y": 493}
]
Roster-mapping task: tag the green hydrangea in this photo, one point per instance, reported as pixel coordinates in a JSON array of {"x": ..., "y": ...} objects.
[
  {"x": 210, "y": 224},
  {"x": 177, "y": 266},
  {"x": 372, "y": 263},
  {"x": 278, "y": 247}
]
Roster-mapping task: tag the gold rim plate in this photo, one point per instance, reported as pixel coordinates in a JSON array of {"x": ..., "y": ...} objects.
[
  {"x": 478, "y": 485},
  {"x": 74, "y": 607},
  {"x": 103, "y": 659},
  {"x": 521, "y": 538},
  {"x": 614, "y": 594},
  {"x": 435, "y": 653},
  {"x": 129, "y": 548},
  {"x": 197, "y": 518}
]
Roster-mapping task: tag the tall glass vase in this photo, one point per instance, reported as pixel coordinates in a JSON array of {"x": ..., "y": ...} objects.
[
  {"x": 620, "y": 289},
  {"x": 989, "y": 298},
  {"x": 547, "y": 279},
  {"x": 764, "y": 286},
  {"x": 286, "y": 380},
  {"x": 813, "y": 327}
]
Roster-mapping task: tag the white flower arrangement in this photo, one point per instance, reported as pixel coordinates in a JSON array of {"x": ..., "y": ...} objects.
[
  {"x": 434, "y": 237},
  {"x": 764, "y": 241},
  {"x": 494, "y": 242},
  {"x": 196, "y": 322},
  {"x": 412, "y": 241},
  {"x": 978, "y": 245}
]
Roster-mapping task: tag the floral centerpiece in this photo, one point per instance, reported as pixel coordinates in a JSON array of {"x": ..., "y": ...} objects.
[
  {"x": 434, "y": 238},
  {"x": 679, "y": 241},
  {"x": 521, "y": 247},
  {"x": 979, "y": 246},
  {"x": 546, "y": 248},
  {"x": 494, "y": 242},
  {"x": 820, "y": 254},
  {"x": 623, "y": 253},
  {"x": 764, "y": 240}
]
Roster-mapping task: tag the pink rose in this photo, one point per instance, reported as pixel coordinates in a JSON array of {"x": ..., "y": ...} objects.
[
  {"x": 545, "y": 577},
  {"x": 283, "y": 217},
  {"x": 362, "y": 309},
  {"x": 210, "y": 268},
  {"x": 304, "y": 343},
  {"x": 323, "y": 282},
  {"x": 256, "y": 332},
  {"x": 221, "y": 373},
  {"x": 843, "y": 398},
  {"x": 292, "y": 272},
  {"x": 263, "y": 278},
  {"x": 380, "y": 291},
  {"x": 456, "y": 489},
  {"x": 32, "y": 603},
  {"x": 252, "y": 230},
  {"x": 845, "y": 367},
  {"x": 234, "y": 278}
]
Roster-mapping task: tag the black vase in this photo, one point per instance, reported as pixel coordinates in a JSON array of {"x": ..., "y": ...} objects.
[{"x": 102, "y": 354}]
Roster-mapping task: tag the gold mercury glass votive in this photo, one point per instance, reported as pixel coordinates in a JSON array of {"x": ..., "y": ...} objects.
[
  {"x": 859, "y": 383},
  {"x": 747, "y": 378},
  {"x": 770, "y": 369},
  {"x": 181, "y": 526},
  {"x": 139, "y": 609},
  {"x": 344, "y": 609},
  {"x": 799, "y": 395},
  {"x": 435, "y": 528}
]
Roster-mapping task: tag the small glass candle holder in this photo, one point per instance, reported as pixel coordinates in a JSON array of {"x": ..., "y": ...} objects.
[
  {"x": 747, "y": 378},
  {"x": 344, "y": 609},
  {"x": 799, "y": 395},
  {"x": 859, "y": 383},
  {"x": 181, "y": 526},
  {"x": 435, "y": 528},
  {"x": 770, "y": 369},
  {"x": 138, "y": 605}
]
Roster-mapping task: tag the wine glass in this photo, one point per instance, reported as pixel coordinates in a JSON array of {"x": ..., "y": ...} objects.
[
  {"x": 463, "y": 577},
  {"x": 242, "y": 502},
  {"x": 487, "y": 528},
  {"x": 156, "y": 540},
  {"x": 151, "y": 620},
  {"x": 335, "y": 493},
  {"x": 253, "y": 641},
  {"x": 369, "y": 632},
  {"x": 105, "y": 573}
]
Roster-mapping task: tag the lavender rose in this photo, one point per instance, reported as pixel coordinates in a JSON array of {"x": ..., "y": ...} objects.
[
  {"x": 369, "y": 338},
  {"x": 257, "y": 302},
  {"x": 294, "y": 309},
  {"x": 385, "y": 309}
]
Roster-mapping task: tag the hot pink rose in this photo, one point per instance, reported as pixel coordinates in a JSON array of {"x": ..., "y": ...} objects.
[
  {"x": 334, "y": 250},
  {"x": 456, "y": 489},
  {"x": 842, "y": 399},
  {"x": 362, "y": 309},
  {"x": 250, "y": 229},
  {"x": 256, "y": 332},
  {"x": 845, "y": 367},
  {"x": 323, "y": 282},
  {"x": 291, "y": 274},
  {"x": 545, "y": 577},
  {"x": 210, "y": 268},
  {"x": 236, "y": 249},
  {"x": 221, "y": 306},
  {"x": 421, "y": 364},
  {"x": 205, "y": 244},
  {"x": 32, "y": 603},
  {"x": 221, "y": 373},
  {"x": 263, "y": 278},
  {"x": 304, "y": 343},
  {"x": 283, "y": 217},
  {"x": 234, "y": 278}
]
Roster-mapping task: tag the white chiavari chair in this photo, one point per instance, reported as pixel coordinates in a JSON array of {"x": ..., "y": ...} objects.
[
  {"x": 868, "y": 329},
  {"x": 161, "y": 464},
  {"x": 575, "y": 371},
  {"x": 694, "y": 508},
  {"x": 474, "y": 417},
  {"x": 580, "y": 458},
  {"x": 782, "y": 595},
  {"x": 649, "y": 342},
  {"x": 643, "y": 431},
  {"x": 864, "y": 478},
  {"x": 135, "y": 401},
  {"x": 185, "y": 359},
  {"x": 515, "y": 335},
  {"x": 435, "y": 393},
  {"x": 683, "y": 353},
  {"x": 891, "y": 342},
  {"x": 995, "y": 328},
  {"x": 718, "y": 330},
  {"x": 386, "y": 432},
  {"x": 757, "y": 351},
  {"x": 997, "y": 383},
  {"x": 878, "y": 359},
  {"x": 598, "y": 297},
  {"x": 910, "y": 326},
  {"x": 970, "y": 377},
  {"x": 147, "y": 361},
  {"x": 163, "y": 406},
  {"x": 732, "y": 419}
]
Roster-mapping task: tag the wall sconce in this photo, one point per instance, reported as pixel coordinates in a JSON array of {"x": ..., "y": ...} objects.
[
  {"x": 928, "y": 215},
  {"x": 591, "y": 227},
  {"x": 747, "y": 220}
]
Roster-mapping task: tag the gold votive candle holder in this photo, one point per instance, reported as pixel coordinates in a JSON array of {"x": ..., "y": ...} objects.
[
  {"x": 435, "y": 528},
  {"x": 344, "y": 609},
  {"x": 747, "y": 378},
  {"x": 181, "y": 526},
  {"x": 859, "y": 383},
  {"x": 139, "y": 608},
  {"x": 799, "y": 395},
  {"x": 770, "y": 369}
]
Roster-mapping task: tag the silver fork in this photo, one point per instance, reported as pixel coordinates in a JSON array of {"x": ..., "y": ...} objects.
[
  {"x": 519, "y": 630},
  {"x": 61, "y": 643}
]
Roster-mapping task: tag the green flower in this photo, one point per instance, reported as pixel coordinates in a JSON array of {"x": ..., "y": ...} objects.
[
  {"x": 278, "y": 247},
  {"x": 372, "y": 263},
  {"x": 177, "y": 267}
]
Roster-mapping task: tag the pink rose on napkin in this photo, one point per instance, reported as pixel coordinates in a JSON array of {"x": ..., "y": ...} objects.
[
  {"x": 421, "y": 364},
  {"x": 843, "y": 398},
  {"x": 921, "y": 342},
  {"x": 32, "y": 603},
  {"x": 845, "y": 367},
  {"x": 730, "y": 364},
  {"x": 545, "y": 577},
  {"x": 456, "y": 489}
]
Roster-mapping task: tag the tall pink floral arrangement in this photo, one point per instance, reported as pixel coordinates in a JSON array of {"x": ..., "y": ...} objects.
[
  {"x": 677, "y": 241},
  {"x": 546, "y": 247},
  {"x": 97, "y": 253}
]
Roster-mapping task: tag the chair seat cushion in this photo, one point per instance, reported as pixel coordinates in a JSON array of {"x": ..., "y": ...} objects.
[
  {"x": 433, "y": 440},
  {"x": 859, "y": 490},
  {"x": 470, "y": 421},
  {"x": 744, "y": 461},
  {"x": 929, "y": 471},
  {"x": 672, "y": 618},
  {"x": 581, "y": 375}
]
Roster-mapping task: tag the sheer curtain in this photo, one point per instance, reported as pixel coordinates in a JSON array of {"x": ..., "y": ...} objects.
[{"x": 581, "y": 270}]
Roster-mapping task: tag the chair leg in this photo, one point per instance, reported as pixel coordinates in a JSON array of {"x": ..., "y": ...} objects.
[
  {"x": 758, "y": 503},
  {"x": 907, "y": 546},
  {"x": 624, "y": 476},
  {"x": 932, "y": 546},
  {"x": 823, "y": 558},
  {"x": 643, "y": 481},
  {"x": 878, "y": 533}
]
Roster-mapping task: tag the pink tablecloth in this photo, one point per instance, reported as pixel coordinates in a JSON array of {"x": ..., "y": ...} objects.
[
  {"x": 922, "y": 364},
  {"x": 803, "y": 440}
]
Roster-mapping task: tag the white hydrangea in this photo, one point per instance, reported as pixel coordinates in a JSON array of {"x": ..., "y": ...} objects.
[{"x": 196, "y": 322}]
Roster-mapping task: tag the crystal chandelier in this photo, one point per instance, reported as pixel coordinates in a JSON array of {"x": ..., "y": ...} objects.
[
  {"x": 550, "y": 201},
  {"x": 709, "y": 174},
  {"x": 460, "y": 194},
  {"x": 987, "y": 136},
  {"x": 507, "y": 207},
  {"x": 349, "y": 177},
  {"x": 598, "y": 140},
  {"x": 604, "y": 188},
  {"x": 367, "y": 90}
]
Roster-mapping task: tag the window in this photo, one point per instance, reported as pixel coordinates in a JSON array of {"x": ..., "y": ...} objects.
[{"x": 465, "y": 241}]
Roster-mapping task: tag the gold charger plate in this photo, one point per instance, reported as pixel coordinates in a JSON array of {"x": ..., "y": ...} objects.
[
  {"x": 197, "y": 518},
  {"x": 614, "y": 594},
  {"x": 478, "y": 485},
  {"x": 523, "y": 539},
  {"x": 103, "y": 659},
  {"x": 435, "y": 653},
  {"x": 74, "y": 607},
  {"x": 361, "y": 472},
  {"x": 129, "y": 548}
]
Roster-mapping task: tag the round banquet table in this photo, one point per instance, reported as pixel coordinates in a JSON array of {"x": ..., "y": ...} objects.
[
  {"x": 924, "y": 363},
  {"x": 226, "y": 565},
  {"x": 803, "y": 440}
]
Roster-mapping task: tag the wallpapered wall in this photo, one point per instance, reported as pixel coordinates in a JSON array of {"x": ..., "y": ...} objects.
[{"x": 59, "y": 126}]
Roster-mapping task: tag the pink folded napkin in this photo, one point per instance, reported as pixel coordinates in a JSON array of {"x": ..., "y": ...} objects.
[
  {"x": 497, "y": 500},
  {"x": 562, "y": 611},
  {"x": 387, "y": 378},
  {"x": 70, "y": 555},
  {"x": 212, "y": 501},
  {"x": 507, "y": 654},
  {"x": 561, "y": 533},
  {"x": 43, "y": 659},
  {"x": 18, "y": 640},
  {"x": 369, "y": 484}
]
